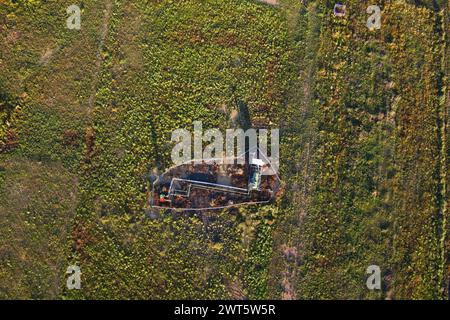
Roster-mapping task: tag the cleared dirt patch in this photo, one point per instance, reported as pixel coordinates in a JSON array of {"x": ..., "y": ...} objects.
[{"x": 271, "y": 2}]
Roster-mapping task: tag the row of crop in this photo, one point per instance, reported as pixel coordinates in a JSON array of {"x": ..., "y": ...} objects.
[
  {"x": 346, "y": 223},
  {"x": 297, "y": 147}
]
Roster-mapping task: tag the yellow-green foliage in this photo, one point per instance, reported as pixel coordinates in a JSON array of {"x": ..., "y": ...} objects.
[
  {"x": 376, "y": 195},
  {"x": 361, "y": 113},
  {"x": 414, "y": 51}
]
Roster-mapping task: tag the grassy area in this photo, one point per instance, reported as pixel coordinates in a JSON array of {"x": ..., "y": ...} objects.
[
  {"x": 45, "y": 78},
  {"x": 166, "y": 66},
  {"x": 37, "y": 209},
  {"x": 376, "y": 196},
  {"x": 87, "y": 115}
]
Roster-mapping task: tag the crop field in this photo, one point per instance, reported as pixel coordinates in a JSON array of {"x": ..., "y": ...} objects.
[{"x": 86, "y": 118}]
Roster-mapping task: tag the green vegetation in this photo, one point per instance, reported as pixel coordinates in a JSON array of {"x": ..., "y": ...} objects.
[
  {"x": 376, "y": 197},
  {"x": 86, "y": 116}
]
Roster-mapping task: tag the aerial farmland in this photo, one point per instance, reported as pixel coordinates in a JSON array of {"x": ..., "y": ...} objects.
[{"x": 345, "y": 197}]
